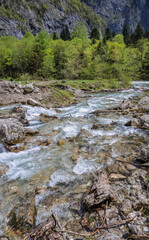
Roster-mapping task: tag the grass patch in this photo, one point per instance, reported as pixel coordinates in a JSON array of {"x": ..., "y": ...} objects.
[{"x": 60, "y": 97}]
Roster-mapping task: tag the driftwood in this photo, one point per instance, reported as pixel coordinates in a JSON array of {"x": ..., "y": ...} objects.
[
  {"x": 46, "y": 231},
  {"x": 100, "y": 191}
]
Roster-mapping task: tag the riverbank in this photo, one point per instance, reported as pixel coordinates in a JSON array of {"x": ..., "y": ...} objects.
[
  {"x": 50, "y": 93},
  {"x": 54, "y": 170}
]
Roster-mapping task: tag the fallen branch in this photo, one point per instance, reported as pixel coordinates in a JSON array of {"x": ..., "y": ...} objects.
[
  {"x": 59, "y": 225},
  {"x": 117, "y": 224}
]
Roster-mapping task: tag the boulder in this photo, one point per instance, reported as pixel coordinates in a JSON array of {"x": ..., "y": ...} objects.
[
  {"x": 33, "y": 102},
  {"x": 126, "y": 104},
  {"x": 144, "y": 120},
  {"x": 143, "y": 104},
  {"x": 144, "y": 153},
  {"x": 11, "y": 131},
  {"x": 28, "y": 88}
]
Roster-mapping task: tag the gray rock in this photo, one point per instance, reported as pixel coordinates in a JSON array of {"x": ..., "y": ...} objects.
[
  {"x": 28, "y": 88},
  {"x": 117, "y": 13},
  {"x": 144, "y": 120},
  {"x": 11, "y": 131},
  {"x": 12, "y": 85},
  {"x": 135, "y": 122},
  {"x": 143, "y": 104},
  {"x": 138, "y": 225},
  {"x": 33, "y": 102},
  {"x": 79, "y": 93},
  {"x": 126, "y": 104}
]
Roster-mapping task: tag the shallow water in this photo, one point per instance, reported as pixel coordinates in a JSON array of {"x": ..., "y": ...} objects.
[{"x": 63, "y": 172}]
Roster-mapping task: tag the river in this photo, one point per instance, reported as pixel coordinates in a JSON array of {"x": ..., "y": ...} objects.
[{"x": 80, "y": 144}]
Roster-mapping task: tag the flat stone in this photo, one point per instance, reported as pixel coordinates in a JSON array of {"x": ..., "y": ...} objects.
[
  {"x": 117, "y": 177},
  {"x": 33, "y": 102}
]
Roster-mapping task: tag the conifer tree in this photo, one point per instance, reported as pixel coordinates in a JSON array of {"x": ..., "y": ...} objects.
[
  {"x": 107, "y": 35},
  {"x": 55, "y": 36},
  {"x": 95, "y": 33},
  {"x": 139, "y": 32},
  {"x": 65, "y": 34},
  {"x": 147, "y": 34},
  {"x": 126, "y": 34}
]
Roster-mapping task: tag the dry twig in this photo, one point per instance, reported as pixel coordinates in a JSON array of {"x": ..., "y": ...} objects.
[{"x": 119, "y": 223}]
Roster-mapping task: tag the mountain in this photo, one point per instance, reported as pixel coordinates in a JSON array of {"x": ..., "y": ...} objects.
[
  {"x": 19, "y": 16},
  {"x": 118, "y": 12}
]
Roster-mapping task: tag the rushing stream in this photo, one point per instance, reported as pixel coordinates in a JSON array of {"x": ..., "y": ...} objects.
[{"x": 61, "y": 172}]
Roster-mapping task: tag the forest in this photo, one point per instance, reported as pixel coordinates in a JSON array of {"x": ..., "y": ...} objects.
[{"x": 107, "y": 57}]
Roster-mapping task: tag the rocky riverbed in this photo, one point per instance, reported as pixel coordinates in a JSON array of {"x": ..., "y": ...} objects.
[{"x": 50, "y": 158}]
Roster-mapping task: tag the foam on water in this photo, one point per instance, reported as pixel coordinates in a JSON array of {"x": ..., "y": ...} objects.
[
  {"x": 34, "y": 112},
  {"x": 60, "y": 176}
]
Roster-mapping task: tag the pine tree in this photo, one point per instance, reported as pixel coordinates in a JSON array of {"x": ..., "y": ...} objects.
[
  {"x": 107, "y": 35},
  {"x": 126, "y": 34},
  {"x": 139, "y": 32},
  {"x": 65, "y": 34},
  {"x": 147, "y": 34},
  {"x": 95, "y": 33},
  {"x": 55, "y": 36}
]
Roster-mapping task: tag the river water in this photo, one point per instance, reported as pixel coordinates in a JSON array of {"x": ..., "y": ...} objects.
[{"x": 58, "y": 174}]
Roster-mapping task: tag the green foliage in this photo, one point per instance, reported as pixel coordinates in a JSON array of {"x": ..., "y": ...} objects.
[
  {"x": 80, "y": 31},
  {"x": 112, "y": 64}
]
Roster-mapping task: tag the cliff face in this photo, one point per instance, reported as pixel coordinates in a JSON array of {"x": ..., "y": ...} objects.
[
  {"x": 118, "y": 12},
  {"x": 19, "y": 16}
]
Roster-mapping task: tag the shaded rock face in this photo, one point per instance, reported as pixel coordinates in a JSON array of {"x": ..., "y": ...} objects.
[
  {"x": 117, "y": 13},
  {"x": 11, "y": 130}
]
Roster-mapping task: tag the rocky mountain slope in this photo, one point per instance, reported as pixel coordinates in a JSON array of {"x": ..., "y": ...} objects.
[
  {"x": 18, "y": 17},
  {"x": 118, "y": 12}
]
